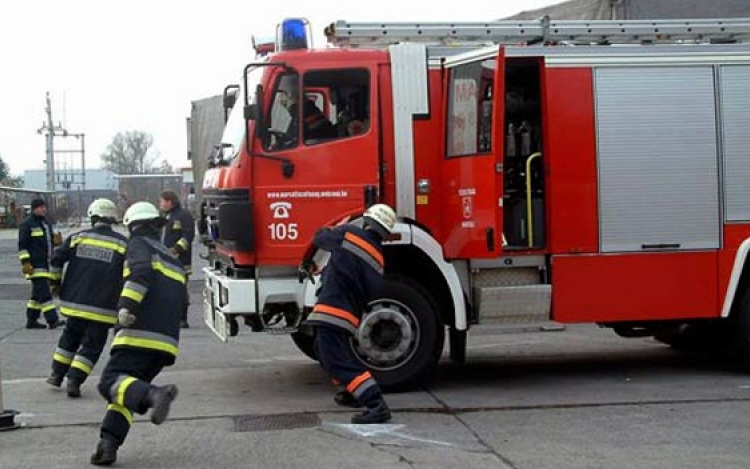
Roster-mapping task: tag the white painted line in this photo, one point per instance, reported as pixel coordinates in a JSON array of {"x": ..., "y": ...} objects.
[
  {"x": 380, "y": 430},
  {"x": 24, "y": 381}
]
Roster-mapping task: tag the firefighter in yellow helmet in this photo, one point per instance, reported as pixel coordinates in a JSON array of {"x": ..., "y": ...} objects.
[
  {"x": 148, "y": 332},
  {"x": 88, "y": 294},
  {"x": 351, "y": 278}
]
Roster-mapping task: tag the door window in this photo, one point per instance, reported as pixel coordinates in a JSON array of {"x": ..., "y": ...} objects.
[{"x": 470, "y": 109}]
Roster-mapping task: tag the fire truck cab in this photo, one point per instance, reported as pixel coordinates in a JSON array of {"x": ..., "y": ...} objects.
[{"x": 578, "y": 172}]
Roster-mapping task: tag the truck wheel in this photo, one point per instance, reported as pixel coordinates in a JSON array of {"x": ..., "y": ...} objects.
[
  {"x": 401, "y": 336},
  {"x": 305, "y": 342},
  {"x": 704, "y": 337},
  {"x": 741, "y": 322}
]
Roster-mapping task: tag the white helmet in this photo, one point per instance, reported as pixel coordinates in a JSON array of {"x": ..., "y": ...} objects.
[
  {"x": 383, "y": 217},
  {"x": 103, "y": 208},
  {"x": 140, "y": 211}
]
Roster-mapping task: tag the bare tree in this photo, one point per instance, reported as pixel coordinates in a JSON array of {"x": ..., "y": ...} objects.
[
  {"x": 12, "y": 181},
  {"x": 4, "y": 170},
  {"x": 165, "y": 168},
  {"x": 7, "y": 179},
  {"x": 129, "y": 153}
]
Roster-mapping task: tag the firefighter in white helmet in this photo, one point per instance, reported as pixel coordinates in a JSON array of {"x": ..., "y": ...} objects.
[
  {"x": 88, "y": 294},
  {"x": 350, "y": 280},
  {"x": 149, "y": 312}
]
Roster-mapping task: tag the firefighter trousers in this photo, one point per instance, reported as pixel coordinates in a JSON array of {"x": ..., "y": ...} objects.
[
  {"x": 41, "y": 302},
  {"x": 79, "y": 348},
  {"x": 125, "y": 383},
  {"x": 186, "y": 306},
  {"x": 337, "y": 358}
]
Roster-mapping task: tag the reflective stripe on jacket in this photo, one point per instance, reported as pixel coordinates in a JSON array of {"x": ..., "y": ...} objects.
[
  {"x": 180, "y": 231},
  {"x": 351, "y": 278},
  {"x": 155, "y": 291},
  {"x": 92, "y": 283},
  {"x": 35, "y": 244}
]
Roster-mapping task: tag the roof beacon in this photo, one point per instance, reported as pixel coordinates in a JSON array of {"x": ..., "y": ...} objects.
[{"x": 292, "y": 34}]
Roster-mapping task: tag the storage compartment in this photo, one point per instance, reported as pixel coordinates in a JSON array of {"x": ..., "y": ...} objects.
[{"x": 523, "y": 161}]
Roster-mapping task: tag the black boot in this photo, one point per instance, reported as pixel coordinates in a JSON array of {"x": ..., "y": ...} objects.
[
  {"x": 159, "y": 399},
  {"x": 376, "y": 412},
  {"x": 34, "y": 325},
  {"x": 55, "y": 379},
  {"x": 345, "y": 399},
  {"x": 73, "y": 388},
  {"x": 56, "y": 324},
  {"x": 106, "y": 453}
]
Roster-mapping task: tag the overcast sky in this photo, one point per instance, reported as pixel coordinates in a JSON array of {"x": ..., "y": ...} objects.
[{"x": 113, "y": 66}]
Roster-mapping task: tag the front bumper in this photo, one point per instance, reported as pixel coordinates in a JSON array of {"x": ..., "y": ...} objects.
[{"x": 226, "y": 298}]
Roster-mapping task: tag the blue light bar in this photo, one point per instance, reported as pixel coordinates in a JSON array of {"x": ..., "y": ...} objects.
[{"x": 293, "y": 33}]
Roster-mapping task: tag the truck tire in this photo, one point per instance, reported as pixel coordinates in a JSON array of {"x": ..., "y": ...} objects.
[
  {"x": 305, "y": 342},
  {"x": 704, "y": 337},
  {"x": 401, "y": 336},
  {"x": 741, "y": 328}
]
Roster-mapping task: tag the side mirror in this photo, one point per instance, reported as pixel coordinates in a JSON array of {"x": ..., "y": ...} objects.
[{"x": 230, "y": 97}]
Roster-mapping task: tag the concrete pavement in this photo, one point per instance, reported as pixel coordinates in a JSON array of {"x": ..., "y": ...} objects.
[{"x": 580, "y": 398}]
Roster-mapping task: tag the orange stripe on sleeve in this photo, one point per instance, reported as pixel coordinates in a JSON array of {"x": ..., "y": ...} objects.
[
  {"x": 354, "y": 384},
  {"x": 364, "y": 245},
  {"x": 338, "y": 312}
]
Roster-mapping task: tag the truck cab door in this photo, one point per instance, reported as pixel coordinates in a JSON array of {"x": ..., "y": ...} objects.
[
  {"x": 473, "y": 158},
  {"x": 319, "y": 120}
]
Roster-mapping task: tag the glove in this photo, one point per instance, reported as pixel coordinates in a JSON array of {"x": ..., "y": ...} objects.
[
  {"x": 27, "y": 268},
  {"x": 174, "y": 250},
  {"x": 306, "y": 270},
  {"x": 57, "y": 239},
  {"x": 54, "y": 288},
  {"x": 125, "y": 318}
]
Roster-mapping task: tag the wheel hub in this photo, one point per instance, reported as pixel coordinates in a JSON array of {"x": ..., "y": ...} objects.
[{"x": 387, "y": 335}]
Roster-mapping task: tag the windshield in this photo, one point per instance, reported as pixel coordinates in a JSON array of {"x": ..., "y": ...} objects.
[{"x": 234, "y": 131}]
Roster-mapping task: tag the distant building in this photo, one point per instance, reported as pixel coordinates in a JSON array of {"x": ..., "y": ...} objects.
[{"x": 96, "y": 179}]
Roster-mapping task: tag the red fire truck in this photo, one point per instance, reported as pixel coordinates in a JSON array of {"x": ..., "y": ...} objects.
[{"x": 579, "y": 172}]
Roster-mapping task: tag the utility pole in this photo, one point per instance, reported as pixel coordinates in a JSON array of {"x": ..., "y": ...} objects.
[
  {"x": 49, "y": 130},
  {"x": 70, "y": 176}
]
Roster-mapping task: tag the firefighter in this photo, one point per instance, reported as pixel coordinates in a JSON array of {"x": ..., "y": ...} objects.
[
  {"x": 316, "y": 124},
  {"x": 35, "y": 243},
  {"x": 349, "y": 281},
  {"x": 147, "y": 334},
  {"x": 178, "y": 235},
  {"x": 87, "y": 294}
]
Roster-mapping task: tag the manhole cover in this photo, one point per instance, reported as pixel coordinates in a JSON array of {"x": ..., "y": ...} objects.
[{"x": 260, "y": 423}]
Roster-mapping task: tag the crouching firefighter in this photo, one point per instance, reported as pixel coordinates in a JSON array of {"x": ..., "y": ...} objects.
[
  {"x": 88, "y": 294},
  {"x": 147, "y": 334},
  {"x": 351, "y": 278}
]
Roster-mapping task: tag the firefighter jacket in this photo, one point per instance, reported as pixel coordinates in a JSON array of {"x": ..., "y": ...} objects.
[
  {"x": 35, "y": 245},
  {"x": 92, "y": 283},
  {"x": 179, "y": 232},
  {"x": 155, "y": 292},
  {"x": 352, "y": 277}
]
